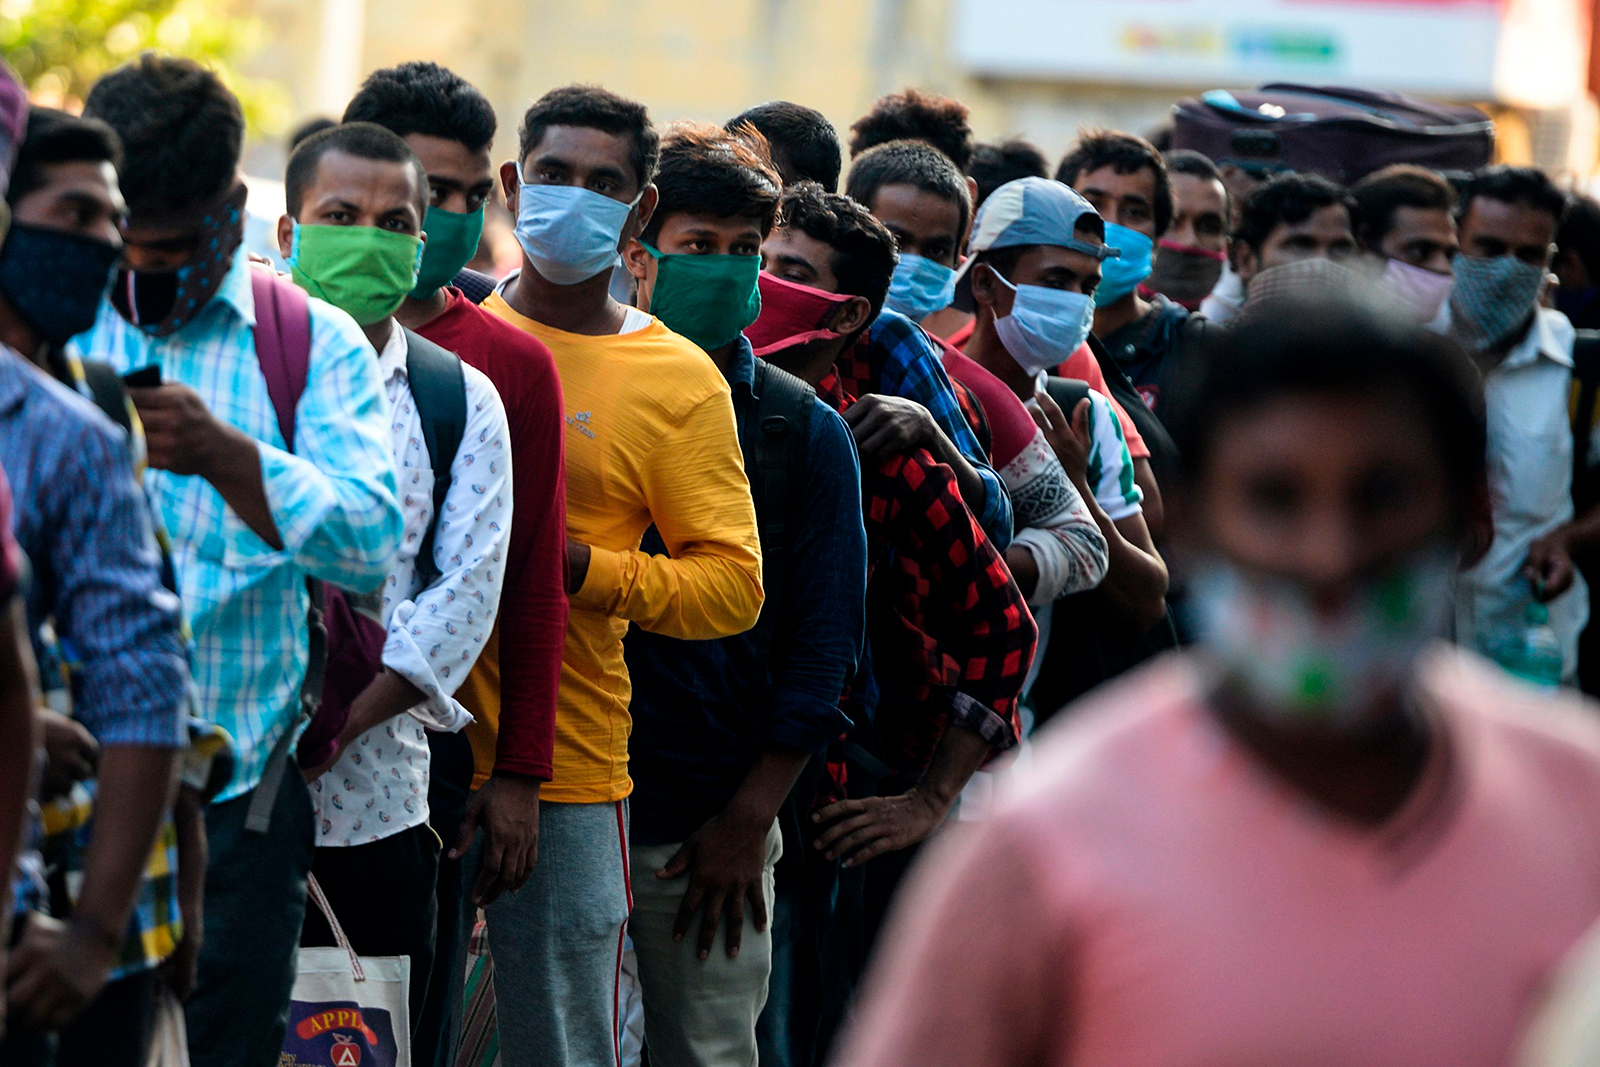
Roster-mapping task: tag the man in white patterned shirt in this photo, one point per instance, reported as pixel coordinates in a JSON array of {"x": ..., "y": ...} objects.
[{"x": 356, "y": 198}]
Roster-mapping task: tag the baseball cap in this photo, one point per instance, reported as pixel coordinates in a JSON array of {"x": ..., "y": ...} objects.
[{"x": 1029, "y": 211}]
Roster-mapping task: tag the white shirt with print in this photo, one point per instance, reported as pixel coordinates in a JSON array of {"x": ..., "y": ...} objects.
[{"x": 379, "y": 786}]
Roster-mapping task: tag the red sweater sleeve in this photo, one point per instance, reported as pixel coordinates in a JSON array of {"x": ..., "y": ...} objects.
[{"x": 533, "y": 603}]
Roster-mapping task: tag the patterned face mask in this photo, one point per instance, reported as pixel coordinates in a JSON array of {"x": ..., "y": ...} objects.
[
  {"x": 1492, "y": 299},
  {"x": 1297, "y": 664},
  {"x": 163, "y": 302}
]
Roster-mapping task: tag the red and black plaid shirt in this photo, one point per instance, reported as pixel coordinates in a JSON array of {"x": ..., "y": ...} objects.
[{"x": 951, "y": 634}]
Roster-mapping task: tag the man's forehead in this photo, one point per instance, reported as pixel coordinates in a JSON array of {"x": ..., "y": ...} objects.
[
  {"x": 585, "y": 146},
  {"x": 1328, "y": 217},
  {"x": 1486, "y": 213},
  {"x": 1109, "y": 178},
  {"x": 684, "y": 222},
  {"x": 445, "y": 154}
]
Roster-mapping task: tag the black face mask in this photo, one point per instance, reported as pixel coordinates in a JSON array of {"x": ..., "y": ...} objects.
[
  {"x": 163, "y": 302},
  {"x": 55, "y": 280}
]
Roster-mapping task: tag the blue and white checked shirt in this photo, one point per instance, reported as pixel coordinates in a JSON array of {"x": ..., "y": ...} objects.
[
  {"x": 84, "y": 526},
  {"x": 905, "y": 362},
  {"x": 332, "y": 499}
]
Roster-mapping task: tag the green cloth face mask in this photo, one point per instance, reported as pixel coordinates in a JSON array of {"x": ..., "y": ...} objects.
[
  {"x": 362, "y": 270},
  {"x": 708, "y": 299},
  {"x": 452, "y": 241}
]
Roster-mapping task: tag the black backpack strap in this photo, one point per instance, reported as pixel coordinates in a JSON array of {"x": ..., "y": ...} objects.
[
  {"x": 107, "y": 392},
  {"x": 774, "y": 428},
  {"x": 439, "y": 387},
  {"x": 1586, "y": 386}
]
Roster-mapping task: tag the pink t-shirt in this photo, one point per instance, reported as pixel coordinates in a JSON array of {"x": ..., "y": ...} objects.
[{"x": 1152, "y": 896}]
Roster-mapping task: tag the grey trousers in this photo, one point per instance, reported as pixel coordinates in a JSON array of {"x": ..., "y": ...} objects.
[
  {"x": 557, "y": 944},
  {"x": 698, "y": 1012}
]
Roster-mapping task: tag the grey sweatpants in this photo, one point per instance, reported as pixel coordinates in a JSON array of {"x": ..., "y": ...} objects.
[{"x": 557, "y": 944}]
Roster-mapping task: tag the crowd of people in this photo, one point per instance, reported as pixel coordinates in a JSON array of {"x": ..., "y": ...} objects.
[{"x": 610, "y": 640}]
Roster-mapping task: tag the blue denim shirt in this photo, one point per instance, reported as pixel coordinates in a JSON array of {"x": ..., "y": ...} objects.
[{"x": 702, "y": 710}]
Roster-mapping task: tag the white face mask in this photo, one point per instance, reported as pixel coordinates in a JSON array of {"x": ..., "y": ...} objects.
[
  {"x": 1045, "y": 326},
  {"x": 1421, "y": 292},
  {"x": 569, "y": 233},
  {"x": 1297, "y": 664}
]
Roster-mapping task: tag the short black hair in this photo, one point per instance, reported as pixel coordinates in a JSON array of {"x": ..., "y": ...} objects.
[
  {"x": 863, "y": 249},
  {"x": 315, "y": 124},
  {"x": 914, "y": 163},
  {"x": 181, "y": 131},
  {"x": 1288, "y": 199},
  {"x": 57, "y": 137},
  {"x": 1383, "y": 192},
  {"x": 1579, "y": 232},
  {"x": 1526, "y": 186},
  {"x": 1343, "y": 346},
  {"x": 422, "y": 97},
  {"x": 364, "y": 140},
  {"x": 993, "y": 165},
  {"x": 913, "y": 115},
  {"x": 1126, "y": 154},
  {"x": 803, "y": 142},
  {"x": 707, "y": 170},
  {"x": 594, "y": 108}
]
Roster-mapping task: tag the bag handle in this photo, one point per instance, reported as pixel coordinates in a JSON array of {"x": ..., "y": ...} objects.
[{"x": 356, "y": 970}]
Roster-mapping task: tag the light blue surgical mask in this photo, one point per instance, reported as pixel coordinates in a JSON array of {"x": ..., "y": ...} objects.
[
  {"x": 920, "y": 287},
  {"x": 1045, "y": 325},
  {"x": 1120, "y": 276},
  {"x": 569, "y": 233}
]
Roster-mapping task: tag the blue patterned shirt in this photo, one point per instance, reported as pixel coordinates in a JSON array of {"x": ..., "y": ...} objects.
[
  {"x": 332, "y": 499},
  {"x": 897, "y": 358},
  {"x": 84, "y": 526}
]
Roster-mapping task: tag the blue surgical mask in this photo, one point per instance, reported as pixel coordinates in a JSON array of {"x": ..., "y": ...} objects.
[
  {"x": 920, "y": 287},
  {"x": 1122, "y": 275},
  {"x": 569, "y": 233},
  {"x": 1045, "y": 325}
]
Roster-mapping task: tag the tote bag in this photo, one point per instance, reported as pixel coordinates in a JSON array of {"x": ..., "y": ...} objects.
[{"x": 347, "y": 1010}]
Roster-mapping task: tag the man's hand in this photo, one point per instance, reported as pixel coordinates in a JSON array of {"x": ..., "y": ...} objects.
[
  {"x": 886, "y": 426},
  {"x": 181, "y": 435},
  {"x": 1549, "y": 566},
  {"x": 72, "y": 751},
  {"x": 507, "y": 807},
  {"x": 182, "y": 967},
  {"x": 1069, "y": 438},
  {"x": 725, "y": 859},
  {"x": 56, "y": 970},
  {"x": 858, "y": 830},
  {"x": 577, "y": 566}
]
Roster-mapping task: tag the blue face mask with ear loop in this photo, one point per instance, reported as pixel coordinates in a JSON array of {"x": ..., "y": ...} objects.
[
  {"x": 1045, "y": 325},
  {"x": 1122, "y": 275},
  {"x": 920, "y": 287},
  {"x": 570, "y": 233}
]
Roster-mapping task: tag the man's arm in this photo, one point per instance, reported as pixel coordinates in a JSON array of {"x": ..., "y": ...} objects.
[
  {"x": 1062, "y": 550},
  {"x": 18, "y": 741},
  {"x": 885, "y": 426},
  {"x": 699, "y": 499},
  {"x": 912, "y": 369}
]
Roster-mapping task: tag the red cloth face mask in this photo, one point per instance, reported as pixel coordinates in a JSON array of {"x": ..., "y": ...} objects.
[
  {"x": 1184, "y": 274},
  {"x": 792, "y": 314}
]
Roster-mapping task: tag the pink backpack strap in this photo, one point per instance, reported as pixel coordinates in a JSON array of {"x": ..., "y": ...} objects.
[{"x": 283, "y": 344}]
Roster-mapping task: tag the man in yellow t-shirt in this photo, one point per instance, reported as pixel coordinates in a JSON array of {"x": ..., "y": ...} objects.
[{"x": 650, "y": 439}]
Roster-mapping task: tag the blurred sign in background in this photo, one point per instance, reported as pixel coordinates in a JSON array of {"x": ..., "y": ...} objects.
[{"x": 1041, "y": 68}]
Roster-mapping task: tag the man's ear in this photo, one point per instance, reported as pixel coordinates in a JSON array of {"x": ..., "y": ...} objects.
[
  {"x": 853, "y": 315},
  {"x": 1246, "y": 263},
  {"x": 647, "y": 207},
  {"x": 981, "y": 278},
  {"x": 510, "y": 184},
  {"x": 285, "y": 235},
  {"x": 636, "y": 259}
]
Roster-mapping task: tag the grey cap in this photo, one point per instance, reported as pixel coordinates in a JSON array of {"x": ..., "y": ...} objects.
[{"x": 1029, "y": 211}]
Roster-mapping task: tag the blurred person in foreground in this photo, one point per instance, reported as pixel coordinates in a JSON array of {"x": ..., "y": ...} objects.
[{"x": 1318, "y": 838}]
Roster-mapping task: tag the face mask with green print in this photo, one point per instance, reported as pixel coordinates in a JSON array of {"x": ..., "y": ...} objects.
[
  {"x": 362, "y": 270},
  {"x": 452, "y": 242},
  {"x": 708, "y": 299}
]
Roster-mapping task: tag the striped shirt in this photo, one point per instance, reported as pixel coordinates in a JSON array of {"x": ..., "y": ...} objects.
[{"x": 332, "y": 499}]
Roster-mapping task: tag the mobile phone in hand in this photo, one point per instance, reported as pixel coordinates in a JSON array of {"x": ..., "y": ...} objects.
[{"x": 143, "y": 378}]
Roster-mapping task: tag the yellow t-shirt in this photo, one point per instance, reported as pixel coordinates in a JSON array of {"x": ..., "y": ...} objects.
[{"x": 650, "y": 439}]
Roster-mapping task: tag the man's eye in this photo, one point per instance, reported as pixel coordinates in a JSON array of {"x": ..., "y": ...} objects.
[{"x": 475, "y": 201}]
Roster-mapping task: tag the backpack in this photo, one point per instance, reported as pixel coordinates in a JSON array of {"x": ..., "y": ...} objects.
[
  {"x": 773, "y": 414},
  {"x": 438, "y": 385}
]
